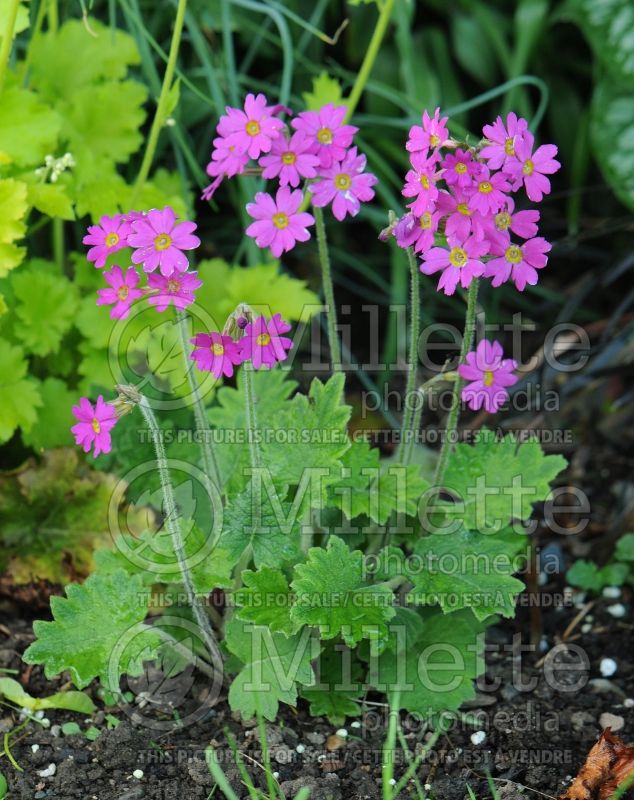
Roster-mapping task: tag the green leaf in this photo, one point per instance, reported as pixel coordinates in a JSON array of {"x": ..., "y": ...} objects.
[
  {"x": 467, "y": 570},
  {"x": 614, "y": 574},
  {"x": 265, "y": 600},
  {"x": 609, "y": 26},
  {"x": 96, "y": 632},
  {"x": 19, "y": 395},
  {"x": 496, "y": 481},
  {"x": 273, "y": 666},
  {"x": 54, "y": 419},
  {"x": 46, "y": 307},
  {"x": 21, "y": 22},
  {"x": 13, "y": 206},
  {"x": 29, "y": 129},
  {"x": 70, "y": 701},
  {"x": 51, "y": 199},
  {"x": 331, "y": 593},
  {"x": 325, "y": 90},
  {"x": 612, "y": 120},
  {"x": 625, "y": 548},
  {"x": 337, "y": 690},
  {"x": 587, "y": 575}
]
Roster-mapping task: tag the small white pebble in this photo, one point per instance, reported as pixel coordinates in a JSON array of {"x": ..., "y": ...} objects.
[
  {"x": 300, "y": 748},
  {"x": 427, "y": 787},
  {"x": 608, "y": 667},
  {"x": 542, "y": 579},
  {"x": 586, "y": 628},
  {"x": 39, "y": 715},
  {"x": 617, "y": 611},
  {"x": 322, "y": 757},
  {"x": 478, "y": 737},
  {"x": 629, "y": 702},
  {"x": 276, "y": 775},
  {"x": 355, "y": 724},
  {"x": 392, "y": 781},
  {"x": 342, "y": 732},
  {"x": 35, "y": 748},
  {"x": 45, "y": 723},
  {"x": 611, "y": 592},
  {"x": 138, "y": 774},
  {"x": 589, "y": 617},
  {"x": 56, "y": 730},
  {"x": 48, "y": 772}
]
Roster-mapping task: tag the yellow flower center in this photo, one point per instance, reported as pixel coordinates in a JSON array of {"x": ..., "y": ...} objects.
[
  {"x": 263, "y": 339},
  {"x": 513, "y": 254},
  {"x": 324, "y": 135},
  {"x": 95, "y": 425},
  {"x": 425, "y": 221},
  {"x": 123, "y": 293},
  {"x": 503, "y": 221},
  {"x": 434, "y": 140},
  {"x": 485, "y": 187},
  {"x": 217, "y": 349},
  {"x": 112, "y": 239},
  {"x": 343, "y": 182},
  {"x": 173, "y": 286},
  {"x": 424, "y": 181},
  {"x": 458, "y": 257},
  {"x": 280, "y": 220},
  {"x": 460, "y": 168},
  {"x": 252, "y": 127},
  {"x": 162, "y": 241},
  {"x": 488, "y": 377},
  {"x": 528, "y": 167},
  {"x": 508, "y": 147},
  {"x": 463, "y": 209},
  {"x": 289, "y": 157}
]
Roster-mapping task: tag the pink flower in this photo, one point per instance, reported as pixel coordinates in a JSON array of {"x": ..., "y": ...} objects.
[
  {"x": 216, "y": 353},
  {"x": 417, "y": 232},
  {"x": 262, "y": 342},
  {"x": 122, "y": 292},
  {"x": 290, "y": 160},
  {"x": 459, "y": 169},
  {"x": 94, "y": 425},
  {"x": 489, "y": 197},
  {"x": 488, "y": 374},
  {"x": 329, "y": 137},
  {"x": 251, "y": 130},
  {"x": 460, "y": 264},
  {"x": 226, "y": 159},
  {"x": 522, "y": 223},
  {"x": 432, "y": 134},
  {"x": 109, "y": 236},
  {"x": 503, "y": 138},
  {"x": 531, "y": 168},
  {"x": 420, "y": 183},
  {"x": 345, "y": 184},
  {"x": 517, "y": 262},
  {"x": 160, "y": 241},
  {"x": 178, "y": 289},
  {"x": 278, "y": 224}
]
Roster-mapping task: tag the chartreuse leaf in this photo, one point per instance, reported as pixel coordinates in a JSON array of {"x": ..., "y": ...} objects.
[
  {"x": 28, "y": 127},
  {"x": 19, "y": 395},
  {"x": 13, "y": 206},
  {"x": 612, "y": 119},
  {"x": 466, "y": 569},
  {"x": 54, "y": 418},
  {"x": 497, "y": 480},
  {"x": 70, "y": 701},
  {"x": 51, "y": 199},
  {"x": 46, "y": 306},
  {"x": 274, "y": 665},
  {"x": 96, "y": 632},
  {"x": 338, "y": 685},
  {"x": 434, "y": 670},
  {"x": 331, "y": 594},
  {"x": 265, "y": 600},
  {"x": 325, "y": 90},
  {"x": 21, "y": 22}
]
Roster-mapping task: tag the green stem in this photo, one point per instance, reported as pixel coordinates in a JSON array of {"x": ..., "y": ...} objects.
[
  {"x": 418, "y": 412},
  {"x": 251, "y": 415},
  {"x": 370, "y": 57},
  {"x": 58, "y": 242},
  {"x": 407, "y": 430},
  {"x": 329, "y": 293},
  {"x": 161, "y": 108},
  {"x": 173, "y": 524},
  {"x": 452, "y": 419},
  {"x": 7, "y": 38},
  {"x": 389, "y": 748},
  {"x": 210, "y": 464},
  {"x": 53, "y": 16}
]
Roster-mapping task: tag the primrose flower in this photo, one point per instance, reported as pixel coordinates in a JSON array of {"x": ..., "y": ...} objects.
[
  {"x": 420, "y": 183},
  {"x": 530, "y": 168},
  {"x": 251, "y": 130},
  {"x": 417, "y": 232},
  {"x": 488, "y": 374},
  {"x": 94, "y": 425},
  {"x": 460, "y": 264},
  {"x": 502, "y": 138},
  {"x": 521, "y": 223},
  {"x": 432, "y": 134},
  {"x": 489, "y": 197},
  {"x": 177, "y": 289},
  {"x": 345, "y": 185},
  {"x": 122, "y": 292},
  {"x": 290, "y": 160},
  {"x": 160, "y": 241},
  {"x": 108, "y": 237},
  {"x": 213, "y": 352},
  {"x": 459, "y": 168},
  {"x": 278, "y": 223},
  {"x": 517, "y": 262},
  {"x": 263, "y": 344},
  {"x": 325, "y": 129}
]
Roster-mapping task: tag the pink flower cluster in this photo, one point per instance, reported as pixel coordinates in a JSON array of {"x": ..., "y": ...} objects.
[
  {"x": 316, "y": 149},
  {"x": 488, "y": 375},
  {"x": 262, "y": 343},
  {"x": 461, "y": 196},
  {"x": 159, "y": 245}
]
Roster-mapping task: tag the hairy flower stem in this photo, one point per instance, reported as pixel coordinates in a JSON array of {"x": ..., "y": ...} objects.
[
  {"x": 407, "y": 429},
  {"x": 329, "y": 293},
  {"x": 389, "y": 748},
  {"x": 161, "y": 108},
  {"x": 251, "y": 415},
  {"x": 173, "y": 524},
  {"x": 452, "y": 419},
  {"x": 418, "y": 411},
  {"x": 7, "y": 38},
  {"x": 210, "y": 464}
]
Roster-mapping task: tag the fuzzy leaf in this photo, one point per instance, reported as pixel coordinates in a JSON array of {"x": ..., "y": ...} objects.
[
  {"x": 51, "y": 199},
  {"x": 54, "y": 418},
  {"x": 21, "y": 22},
  {"x": 28, "y": 128},
  {"x": 70, "y": 701},
  {"x": 19, "y": 395},
  {"x": 336, "y": 693},
  {"x": 13, "y": 206},
  {"x": 265, "y": 600},
  {"x": 325, "y": 90}
]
